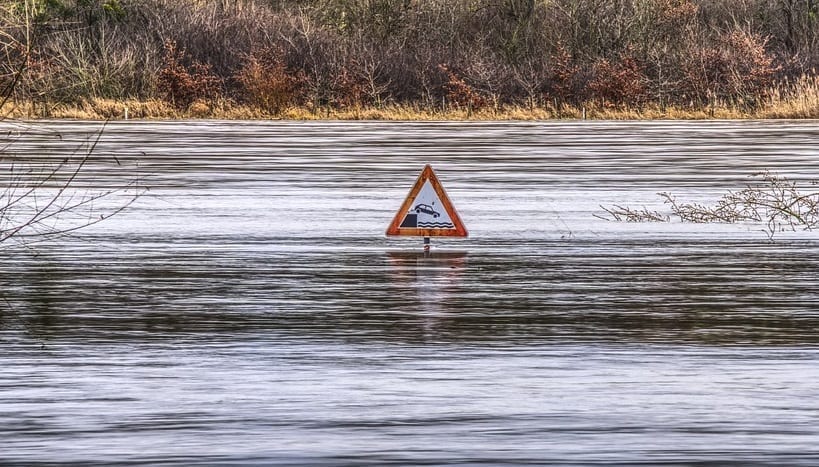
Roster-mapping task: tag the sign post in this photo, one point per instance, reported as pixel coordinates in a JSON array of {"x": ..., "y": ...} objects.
[{"x": 427, "y": 212}]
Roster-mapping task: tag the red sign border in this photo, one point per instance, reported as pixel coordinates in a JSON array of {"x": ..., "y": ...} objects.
[{"x": 427, "y": 174}]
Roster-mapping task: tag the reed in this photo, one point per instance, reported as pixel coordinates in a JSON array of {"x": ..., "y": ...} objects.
[
  {"x": 227, "y": 109},
  {"x": 799, "y": 99}
]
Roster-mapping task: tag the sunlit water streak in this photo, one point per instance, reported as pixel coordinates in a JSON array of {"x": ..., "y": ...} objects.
[{"x": 248, "y": 309}]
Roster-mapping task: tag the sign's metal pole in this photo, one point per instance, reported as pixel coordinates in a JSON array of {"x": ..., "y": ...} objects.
[{"x": 426, "y": 244}]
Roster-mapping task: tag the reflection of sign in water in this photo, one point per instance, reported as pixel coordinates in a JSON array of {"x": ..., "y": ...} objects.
[
  {"x": 427, "y": 211},
  {"x": 435, "y": 278}
]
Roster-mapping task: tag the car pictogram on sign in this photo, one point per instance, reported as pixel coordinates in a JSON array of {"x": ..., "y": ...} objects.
[{"x": 427, "y": 209}]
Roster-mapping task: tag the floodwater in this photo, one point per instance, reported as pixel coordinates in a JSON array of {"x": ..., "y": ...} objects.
[{"x": 248, "y": 309}]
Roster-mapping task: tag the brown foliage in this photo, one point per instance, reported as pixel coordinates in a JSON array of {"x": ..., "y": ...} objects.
[
  {"x": 182, "y": 85},
  {"x": 460, "y": 93},
  {"x": 266, "y": 83},
  {"x": 348, "y": 90},
  {"x": 737, "y": 68},
  {"x": 674, "y": 14},
  {"x": 564, "y": 71},
  {"x": 619, "y": 83},
  {"x": 752, "y": 69}
]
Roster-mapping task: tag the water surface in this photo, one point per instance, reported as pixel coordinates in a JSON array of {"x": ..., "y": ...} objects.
[{"x": 247, "y": 308}]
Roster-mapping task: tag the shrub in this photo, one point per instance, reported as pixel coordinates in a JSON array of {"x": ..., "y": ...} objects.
[
  {"x": 751, "y": 69},
  {"x": 738, "y": 68},
  {"x": 563, "y": 76},
  {"x": 460, "y": 93},
  {"x": 266, "y": 83},
  {"x": 620, "y": 83},
  {"x": 181, "y": 85}
]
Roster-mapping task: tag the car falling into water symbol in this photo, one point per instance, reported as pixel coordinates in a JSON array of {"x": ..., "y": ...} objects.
[{"x": 427, "y": 209}]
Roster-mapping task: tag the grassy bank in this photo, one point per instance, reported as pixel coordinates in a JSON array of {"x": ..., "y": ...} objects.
[
  {"x": 800, "y": 100},
  {"x": 407, "y": 59}
]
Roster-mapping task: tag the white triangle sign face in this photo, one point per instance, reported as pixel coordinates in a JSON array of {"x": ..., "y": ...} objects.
[{"x": 427, "y": 211}]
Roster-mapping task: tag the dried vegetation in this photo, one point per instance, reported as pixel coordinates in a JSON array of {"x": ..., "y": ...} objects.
[
  {"x": 452, "y": 59},
  {"x": 771, "y": 200},
  {"x": 48, "y": 195}
]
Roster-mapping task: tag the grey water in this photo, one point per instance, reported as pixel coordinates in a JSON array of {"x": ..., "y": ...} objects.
[{"x": 247, "y": 307}]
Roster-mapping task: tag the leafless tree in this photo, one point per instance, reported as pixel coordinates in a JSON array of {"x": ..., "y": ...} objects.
[{"x": 44, "y": 196}]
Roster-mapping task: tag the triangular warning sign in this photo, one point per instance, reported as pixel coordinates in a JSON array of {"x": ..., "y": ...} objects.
[{"x": 427, "y": 211}]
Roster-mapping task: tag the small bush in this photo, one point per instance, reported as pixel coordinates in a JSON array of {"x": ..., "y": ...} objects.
[
  {"x": 619, "y": 84},
  {"x": 348, "y": 90},
  {"x": 266, "y": 83},
  {"x": 460, "y": 93},
  {"x": 737, "y": 69},
  {"x": 181, "y": 85},
  {"x": 751, "y": 67},
  {"x": 563, "y": 76}
]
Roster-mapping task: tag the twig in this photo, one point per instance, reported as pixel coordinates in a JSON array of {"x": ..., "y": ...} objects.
[{"x": 773, "y": 200}]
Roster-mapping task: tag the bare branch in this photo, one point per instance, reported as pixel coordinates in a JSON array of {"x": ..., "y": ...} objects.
[
  {"x": 41, "y": 202},
  {"x": 770, "y": 199}
]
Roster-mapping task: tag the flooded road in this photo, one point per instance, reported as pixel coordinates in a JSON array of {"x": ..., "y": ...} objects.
[{"x": 248, "y": 309}]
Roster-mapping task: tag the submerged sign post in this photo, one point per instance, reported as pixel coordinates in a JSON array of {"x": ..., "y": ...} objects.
[{"x": 427, "y": 211}]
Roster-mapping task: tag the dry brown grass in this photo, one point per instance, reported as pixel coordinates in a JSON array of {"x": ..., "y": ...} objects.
[
  {"x": 798, "y": 100},
  {"x": 95, "y": 109}
]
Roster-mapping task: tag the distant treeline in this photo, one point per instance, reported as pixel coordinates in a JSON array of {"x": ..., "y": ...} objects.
[{"x": 277, "y": 54}]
